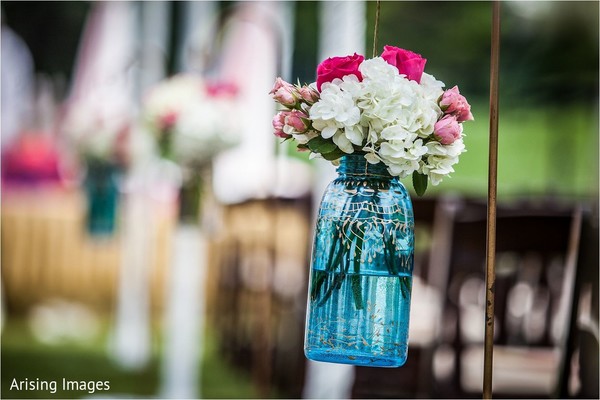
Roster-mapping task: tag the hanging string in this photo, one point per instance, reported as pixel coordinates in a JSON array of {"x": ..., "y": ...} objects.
[{"x": 376, "y": 29}]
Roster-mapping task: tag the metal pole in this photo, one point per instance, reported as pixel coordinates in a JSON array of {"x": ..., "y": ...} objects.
[{"x": 490, "y": 275}]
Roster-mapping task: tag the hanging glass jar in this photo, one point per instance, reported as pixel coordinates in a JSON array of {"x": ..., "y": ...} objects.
[{"x": 361, "y": 269}]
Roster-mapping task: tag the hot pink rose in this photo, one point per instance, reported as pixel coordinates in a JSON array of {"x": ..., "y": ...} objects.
[
  {"x": 408, "y": 63},
  {"x": 454, "y": 103},
  {"x": 278, "y": 124},
  {"x": 447, "y": 129},
  {"x": 284, "y": 93},
  {"x": 338, "y": 67}
]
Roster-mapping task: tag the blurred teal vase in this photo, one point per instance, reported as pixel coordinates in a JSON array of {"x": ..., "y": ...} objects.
[
  {"x": 361, "y": 269},
  {"x": 102, "y": 197}
]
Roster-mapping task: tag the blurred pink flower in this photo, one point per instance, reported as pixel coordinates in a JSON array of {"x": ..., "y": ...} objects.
[
  {"x": 218, "y": 89},
  {"x": 168, "y": 120}
]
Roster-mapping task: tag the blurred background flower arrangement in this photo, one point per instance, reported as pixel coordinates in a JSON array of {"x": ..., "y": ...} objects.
[{"x": 192, "y": 120}]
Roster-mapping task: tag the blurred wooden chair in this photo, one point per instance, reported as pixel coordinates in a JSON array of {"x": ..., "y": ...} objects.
[
  {"x": 536, "y": 252},
  {"x": 260, "y": 277},
  {"x": 579, "y": 368}
]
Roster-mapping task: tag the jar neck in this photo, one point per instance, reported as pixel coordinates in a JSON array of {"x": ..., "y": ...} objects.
[{"x": 356, "y": 165}]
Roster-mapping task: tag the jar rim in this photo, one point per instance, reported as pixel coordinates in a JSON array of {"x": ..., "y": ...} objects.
[{"x": 350, "y": 165}]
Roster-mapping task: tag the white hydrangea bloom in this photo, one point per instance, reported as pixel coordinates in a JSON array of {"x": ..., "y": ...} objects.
[
  {"x": 425, "y": 118},
  {"x": 377, "y": 69},
  {"x": 402, "y": 156},
  {"x": 432, "y": 88},
  {"x": 336, "y": 115},
  {"x": 397, "y": 133},
  {"x": 440, "y": 159}
]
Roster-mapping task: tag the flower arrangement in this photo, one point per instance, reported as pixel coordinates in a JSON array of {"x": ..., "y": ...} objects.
[
  {"x": 190, "y": 118},
  {"x": 98, "y": 132},
  {"x": 386, "y": 107}
]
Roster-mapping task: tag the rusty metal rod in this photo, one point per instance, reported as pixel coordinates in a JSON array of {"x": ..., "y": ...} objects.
[{"x": 490, "y": 273}]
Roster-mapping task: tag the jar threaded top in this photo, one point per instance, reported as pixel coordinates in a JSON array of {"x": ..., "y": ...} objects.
[{"x": 356, "y": 164}]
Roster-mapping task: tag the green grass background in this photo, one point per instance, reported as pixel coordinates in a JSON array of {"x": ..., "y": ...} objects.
[{"x": 23, "y": 357}]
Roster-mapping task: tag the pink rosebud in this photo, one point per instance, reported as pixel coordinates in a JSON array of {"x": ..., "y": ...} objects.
[
  {"x": 454, "y": 103},
  {"x": 278, "y": 124},
  {"x": 296, "y": 120},
  {"x": 338, "y": 67},
  {"x": 280, "y": 83},
  {"x": 408, "y": 63},
  {"x": 308, "y": 94},
  {"x": 284, "y": 93},
  {"x": 447, "y": 129}
]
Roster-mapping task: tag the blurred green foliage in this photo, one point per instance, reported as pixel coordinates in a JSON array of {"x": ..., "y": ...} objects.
[{"x": 549, "y": 49}]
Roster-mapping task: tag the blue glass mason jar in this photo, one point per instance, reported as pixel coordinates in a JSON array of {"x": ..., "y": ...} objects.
[{"x": 361, "y": 269}]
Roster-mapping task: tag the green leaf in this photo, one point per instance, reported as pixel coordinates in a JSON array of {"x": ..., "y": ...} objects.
[
  {"x": 322, "y": 146},
  {"x": 419, "y": 183},
  {"x": 355, "y": 279},
  {"x": 334, "y": 155}
]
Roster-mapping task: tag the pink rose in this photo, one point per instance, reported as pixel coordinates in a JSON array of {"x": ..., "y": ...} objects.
[
  {"x": 408, "y": 63},
  {"x": 308, "y": 94},
  {"x": 284, "y": 93},
  {"x": 278, "y": 124},
  {"x": 338, "y": 67},
  {"x": 454, "y": 103},
  {"x": 447, "y": 129},
  {"x": 296, "y": 120}
]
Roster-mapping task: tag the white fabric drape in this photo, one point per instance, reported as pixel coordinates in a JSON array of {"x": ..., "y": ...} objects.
[
  {"x": 104, "y": 83},
  {"x": 249, "y": 60}
]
